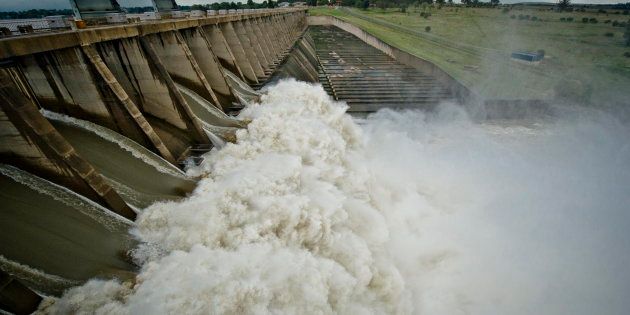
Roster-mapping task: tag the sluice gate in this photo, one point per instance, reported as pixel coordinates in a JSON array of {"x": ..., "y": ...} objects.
[{"x": 98, "y": 123}]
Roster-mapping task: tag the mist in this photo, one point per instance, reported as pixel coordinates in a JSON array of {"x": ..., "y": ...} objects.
[{"x": 312, "y": 211}]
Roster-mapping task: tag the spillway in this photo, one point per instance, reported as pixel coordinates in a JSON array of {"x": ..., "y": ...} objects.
[
  {"x": 53, "y": 238},
  {"x": 364, "y": 72},
  {"x": 140, "y": 176},
  {"x": 367, "y": 79}
]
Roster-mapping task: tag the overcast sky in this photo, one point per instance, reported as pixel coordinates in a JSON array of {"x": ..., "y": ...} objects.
[{"x": 13, "y": 5}]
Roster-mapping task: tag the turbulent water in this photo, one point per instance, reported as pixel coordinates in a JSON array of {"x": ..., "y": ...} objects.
[{"x": 311, "y": 212}]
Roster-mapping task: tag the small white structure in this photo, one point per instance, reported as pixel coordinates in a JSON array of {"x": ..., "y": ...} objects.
[
  {"x": 211, "y": 12},
  {"x": 240, "y": 11},
  {"x": 177, "y": 14},
  {"x": 197, "y": 14},
  {"x": 149, "y": 16},
  {"x": 116, "y": 18},
  {"x": 283, "y": 5},
  {"x": 231, "y": 11},
  {"x": 222, "y": 12}
]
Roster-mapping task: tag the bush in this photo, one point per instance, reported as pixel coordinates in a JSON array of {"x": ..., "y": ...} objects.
[
  {"x": 625, "y": 12},
  {"x": 615, "y": 23},
  {"x": 626, "y": 54},
  {"x": 562, "y": 19},
  {"x": 569, "y": 19},
  {"x": 427, "y": 29},
  {"x": 593, "y": 20},
  {"x": 584, "y": 20},
  {"x": 609, "y": 34},
  {"x": 607, "y": 21},
  {"x": 601, "y": 11},
  {"x": 512, "y": 16},
  {"x": 534, "y": 18},
  {"x": 505, "y": 10}
]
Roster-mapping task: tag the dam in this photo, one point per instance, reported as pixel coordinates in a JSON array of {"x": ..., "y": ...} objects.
[{"x": 99, "y": 123}]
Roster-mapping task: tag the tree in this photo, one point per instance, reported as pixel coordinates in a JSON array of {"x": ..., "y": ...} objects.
[
  {"x": 495, "y": 2},
  {"x": 627, "y": 34},
  {"x": 564, "y": 5}
]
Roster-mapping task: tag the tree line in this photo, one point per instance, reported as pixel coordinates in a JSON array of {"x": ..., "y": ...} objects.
[
  {"x": 33, "y": 14},
  {"x": 250, "y": 4}
]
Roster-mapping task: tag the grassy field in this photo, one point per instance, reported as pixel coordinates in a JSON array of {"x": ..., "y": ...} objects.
[{"x": 474, "y": 45}]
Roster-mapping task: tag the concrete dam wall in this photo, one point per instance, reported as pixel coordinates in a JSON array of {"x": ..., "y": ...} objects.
[
  {"x": 125, "y": 78},
  {"x": 96, "y": 124}
]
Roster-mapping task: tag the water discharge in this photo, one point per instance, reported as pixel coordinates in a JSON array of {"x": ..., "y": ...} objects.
[
  {"x": 139, "y": 175},
  {"x": 406, "y": 212},
  {"x": 59, "y": 237},
  {"x": 243, "y": 92}
]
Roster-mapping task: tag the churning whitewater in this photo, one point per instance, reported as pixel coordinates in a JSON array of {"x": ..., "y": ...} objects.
[{"x": 311, "y": 213}]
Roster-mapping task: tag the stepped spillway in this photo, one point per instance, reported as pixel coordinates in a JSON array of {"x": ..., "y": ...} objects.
[{"x": 367, "y": 79}]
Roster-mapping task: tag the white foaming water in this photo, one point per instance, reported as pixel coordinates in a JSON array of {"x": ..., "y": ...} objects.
[{"x": 409, "y": 213}]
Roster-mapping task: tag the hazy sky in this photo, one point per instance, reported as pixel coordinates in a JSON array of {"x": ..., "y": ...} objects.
[{"x": 11, "y": 5}]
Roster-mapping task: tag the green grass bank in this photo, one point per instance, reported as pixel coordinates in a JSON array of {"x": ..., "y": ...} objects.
[{"x": 583, "y": 61}]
